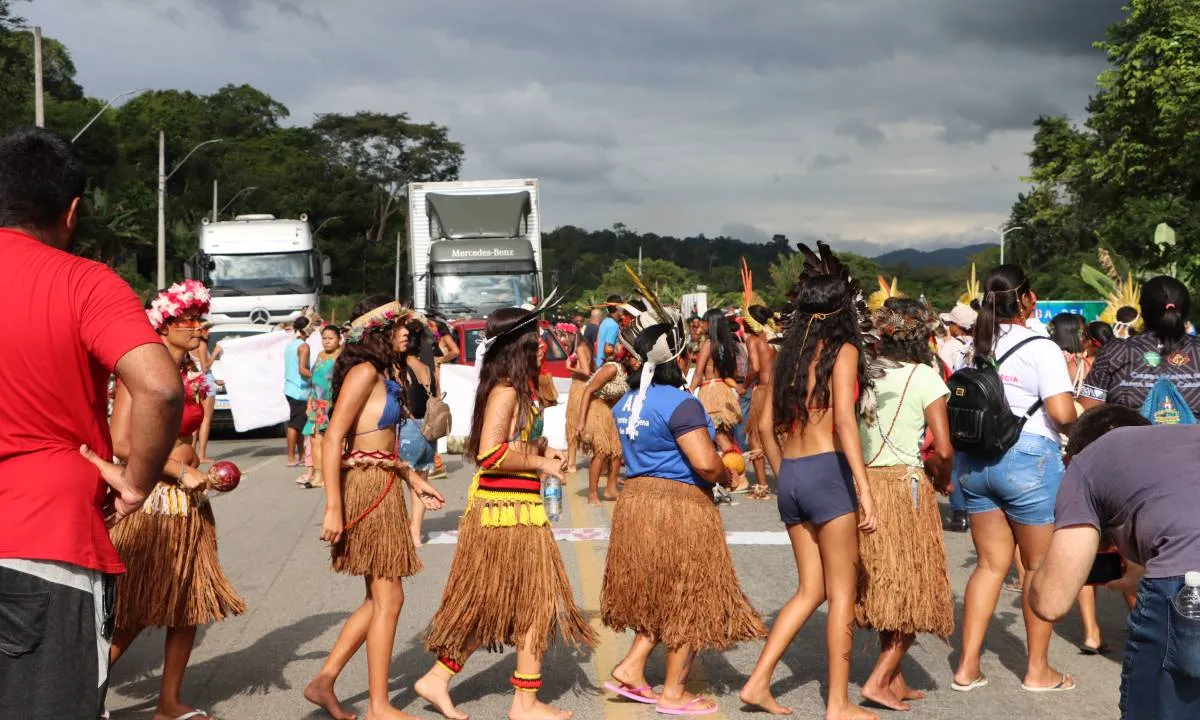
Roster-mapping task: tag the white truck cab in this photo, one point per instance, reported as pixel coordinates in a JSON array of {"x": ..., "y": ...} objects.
[{"x": 259, "y": 268}]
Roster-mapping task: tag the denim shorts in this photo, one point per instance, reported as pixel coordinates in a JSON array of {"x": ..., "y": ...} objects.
[
  {"x": 1160, "y": 672},
  {"x": 414, "y": 448},
  {"x": 1022, "y": 482}
]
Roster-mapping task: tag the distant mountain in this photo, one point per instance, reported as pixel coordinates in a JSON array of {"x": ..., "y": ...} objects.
[{"x": 930, "y": 259}]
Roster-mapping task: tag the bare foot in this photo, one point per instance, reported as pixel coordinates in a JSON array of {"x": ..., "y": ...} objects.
[
  {"x": 850, "y": 712},
  {"x": 611, "y": 497},
  {"x": 884, "y": 696},
  {"x": 901, "y": 690},
  {"x": 435, "y": 691},
  {"x": 594, "y": 500},
  {"x": 687, "y": 700},
  {"x": 205, "y": 460},
  {"x": 174, "y": 711},
  {"x": 387, "y": 712},
  {"x": 760, "y": 697},
  {"x": 539, "y": 711},
  {"x": 320, "y": 693},
  {"x": 417, "y": 542}
]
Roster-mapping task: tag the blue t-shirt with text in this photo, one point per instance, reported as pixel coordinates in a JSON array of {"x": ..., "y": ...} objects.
[{"x": 667, "y": 413}]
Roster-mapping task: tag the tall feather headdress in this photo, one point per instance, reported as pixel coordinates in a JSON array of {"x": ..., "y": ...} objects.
[
  {"x": 669, "y": 345},
  {"x": 750, "y": 298},
  {"x": 974, "y": 290},
  {"x": 885, "y": 291}
]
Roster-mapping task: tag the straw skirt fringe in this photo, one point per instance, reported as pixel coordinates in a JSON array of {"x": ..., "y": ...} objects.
[
  {"x": 759, "y": 397},
  {"x": 721, "y": 403},
  {"x": 669, "y": 574},
  {"x": 903, "y": 582},
  {"x": 547, "y": 391},
  {"x": 578, "y": 388},
  {"x": 599, "y": 435},
  {"x": 380, "y": 545},
  {"x": 173, "y": 576},
  {"x": 505, "y": 583}
]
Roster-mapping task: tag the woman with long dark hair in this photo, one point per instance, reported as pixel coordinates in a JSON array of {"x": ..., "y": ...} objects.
[
  {"x": 715, "y": 381},
  {"x": 173, "y": 576},
  {"x": 507, "y": 584},
  {"x": 904, "y": 585},
  {"x": 823, "y": 495},
  {"x": 1127, "y": 372},
  {"x": 366, "y": 520},
  {"x": 319, "y": 400},
  {"x": 668, "y": 505},
  {"x": 579, "y": 364},
  {"x": 1010, "y": 499},
  {"x": 420, "y": 385}
]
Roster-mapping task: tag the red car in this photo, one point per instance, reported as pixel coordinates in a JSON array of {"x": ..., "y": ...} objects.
[{"x": 468, "y": 333}]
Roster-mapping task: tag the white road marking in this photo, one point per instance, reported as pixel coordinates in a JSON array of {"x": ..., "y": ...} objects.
[{"x": 601, "y": 535}]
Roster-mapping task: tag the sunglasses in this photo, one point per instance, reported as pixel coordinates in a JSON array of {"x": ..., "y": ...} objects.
[{"x": 187, "y": 324}]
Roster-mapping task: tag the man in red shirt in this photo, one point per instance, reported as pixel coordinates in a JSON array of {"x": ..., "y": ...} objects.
[{"x": 68, "y": 324}]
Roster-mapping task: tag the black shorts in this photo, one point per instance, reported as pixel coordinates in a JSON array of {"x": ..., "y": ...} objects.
[
  {"x": 815, "y": 489},
  {"x": 298, "y": 414},
  {"x": 49, "y": 648}
]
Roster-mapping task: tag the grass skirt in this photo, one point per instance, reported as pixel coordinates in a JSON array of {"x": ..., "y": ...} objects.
[
  {"x": 760, "y": 396},
  {"x": 721, "y": 403},
  {"x": 505, "y": 582},
  {"x": 547, "y": 391},
  {"x": 599, "y": 436},
  {"x": 173, "y": 574},
  {"x": 578, "y": 388},
  {"x": 380, "y": 545},
  {"x": 903, "y": 582},
  {"x": 669, "y": 574}
]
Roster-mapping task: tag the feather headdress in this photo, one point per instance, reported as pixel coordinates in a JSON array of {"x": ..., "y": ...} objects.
[
  {"x": 885, "y": 291},
  {"x": 533, "y": 314},
  {"x": 749, "y": 298},
  {"x": 669, "y": 345},
  {"x": 974, "y": 290}
]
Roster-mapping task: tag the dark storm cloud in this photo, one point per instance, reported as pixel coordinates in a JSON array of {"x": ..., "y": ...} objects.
[
  {"x": 1049, "y": 27},
  {"x": 236, "y": 14},
  {"x": 828, "y": 162},
  {"x": 864, "y": 133}
]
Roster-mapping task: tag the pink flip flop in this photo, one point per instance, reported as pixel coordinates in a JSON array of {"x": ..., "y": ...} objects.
[
  {"x": 630, "y": 692},
  {"x": 689, "y": 710}
]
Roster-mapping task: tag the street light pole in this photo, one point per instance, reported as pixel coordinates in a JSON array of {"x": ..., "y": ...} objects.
[
  {"x": 107, "y": 105},
  {"x": 39, "y": 98},
  {"x": 1003, "y": 234},
  {"x": 236, "y": 195},
  {"x": 163, "y": 176}
]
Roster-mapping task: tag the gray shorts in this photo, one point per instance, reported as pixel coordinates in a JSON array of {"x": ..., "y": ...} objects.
[
  {"x": 815, "y": 489},
  {"x": 52, "y": 639}
]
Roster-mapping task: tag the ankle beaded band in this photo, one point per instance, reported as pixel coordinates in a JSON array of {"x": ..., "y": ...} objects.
[
  {"x": 450, "y": 666},
  {"x": 527, "y": 683}
]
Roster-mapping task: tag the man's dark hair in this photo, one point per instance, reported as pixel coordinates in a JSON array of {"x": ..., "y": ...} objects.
[
  {"x": 1099, "y": 421},
  {"x": 40, "y": 174},
  {"x": 614, "y": 304}
]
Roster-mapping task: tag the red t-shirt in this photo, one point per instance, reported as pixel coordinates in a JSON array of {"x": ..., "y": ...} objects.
[{"x": 64, "y": 324}]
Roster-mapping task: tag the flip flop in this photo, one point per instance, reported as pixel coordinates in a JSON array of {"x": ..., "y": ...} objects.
[
  {"x": 630, "y": 692},
  {"x": 688, "y": 709},
  {"x": 193, "y": 714},
  {"x": 1104, "y": 649},
  {"x": 1062, "y": 686},
  {"x": 977, "y": 683}
]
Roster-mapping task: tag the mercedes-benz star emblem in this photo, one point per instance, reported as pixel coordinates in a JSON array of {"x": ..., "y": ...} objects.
[{"x": 260, "y": 317}]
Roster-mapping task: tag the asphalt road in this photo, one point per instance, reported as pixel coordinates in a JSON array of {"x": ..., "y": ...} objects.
[{"x": 256, "y": 666}]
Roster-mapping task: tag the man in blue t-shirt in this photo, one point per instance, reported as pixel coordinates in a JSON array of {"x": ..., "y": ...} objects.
[{"x": 610, "y": 331}]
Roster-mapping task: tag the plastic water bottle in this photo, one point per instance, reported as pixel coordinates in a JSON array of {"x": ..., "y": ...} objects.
[
  {"x": 1187, "y": 602},
  {"x": 552, "y": 497}
]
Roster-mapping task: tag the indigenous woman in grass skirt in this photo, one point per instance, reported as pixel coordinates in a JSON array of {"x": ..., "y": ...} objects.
[
  {"x": 762, "y": 334},
  {"x": 579, "y": 364},
  {"x": 366, "y": 520},
  {"x": 669, "y": 575},
  {"x": 594, "y": 426},
  {"x": 173, "y": 576},
  {"x": 903, "y": 583},
  {"x": 824, "y": 499},
  {"x": 507, "y": 585}
]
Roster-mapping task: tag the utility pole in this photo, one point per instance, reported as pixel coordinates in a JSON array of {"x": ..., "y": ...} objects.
[
  {"x": 399, "y": 236},
  {"x": 161, "y": 276},
  {"x": 215, "y": 211},
  {"x": 639, "y": 259},
  {"x": 39, "y": 100},
  {"x": 1003, "y": 234}
]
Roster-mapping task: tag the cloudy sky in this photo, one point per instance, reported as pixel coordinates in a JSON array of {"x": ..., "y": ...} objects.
[{"x": 895, "y": 122}]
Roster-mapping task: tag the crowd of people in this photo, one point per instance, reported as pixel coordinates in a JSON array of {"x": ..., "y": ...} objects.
[{"x": 864, "y": 411}]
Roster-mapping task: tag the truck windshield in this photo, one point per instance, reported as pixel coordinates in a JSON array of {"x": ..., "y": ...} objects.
[
  {"x": 270, "y": 274},
  {"x": 479, "y": 295}
]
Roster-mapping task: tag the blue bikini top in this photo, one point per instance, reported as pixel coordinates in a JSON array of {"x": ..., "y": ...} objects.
[{"x": 393, "y": 407}]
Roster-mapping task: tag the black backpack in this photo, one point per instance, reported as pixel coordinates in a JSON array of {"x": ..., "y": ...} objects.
[{"x": 981, "y": 421}]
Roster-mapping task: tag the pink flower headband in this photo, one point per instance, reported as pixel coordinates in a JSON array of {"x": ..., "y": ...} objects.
[{"x": 189, "y": 297}]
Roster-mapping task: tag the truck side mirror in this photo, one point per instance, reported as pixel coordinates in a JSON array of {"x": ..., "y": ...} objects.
[{"x": 326, "y": 272}]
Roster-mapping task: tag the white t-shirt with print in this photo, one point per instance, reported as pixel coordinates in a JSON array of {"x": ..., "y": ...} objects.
[{"x": 1037, "y": 370}]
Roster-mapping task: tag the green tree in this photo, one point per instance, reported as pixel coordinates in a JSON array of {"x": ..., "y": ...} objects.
[
  {"x": 388, "y": 152},
  {"x": 666, "y": 278}
]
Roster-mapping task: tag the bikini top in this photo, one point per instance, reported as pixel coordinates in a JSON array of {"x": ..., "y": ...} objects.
[
  {"x": 616, "y": 388},
  {"x": 195, "y": 392},
  {"x": 393, "y": 406}
]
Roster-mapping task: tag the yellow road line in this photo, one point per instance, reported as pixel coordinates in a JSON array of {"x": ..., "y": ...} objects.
[{"x": 590, "y": 557}]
